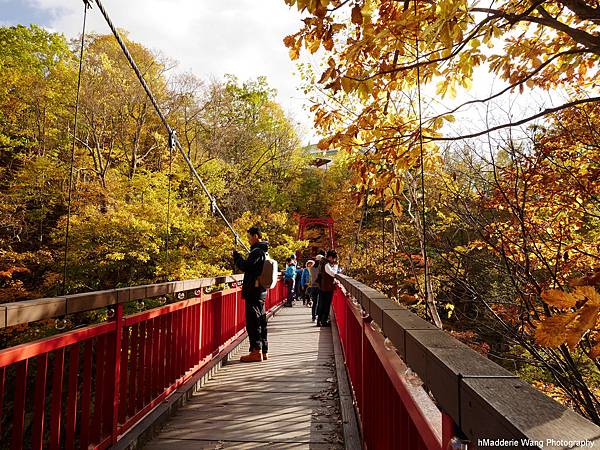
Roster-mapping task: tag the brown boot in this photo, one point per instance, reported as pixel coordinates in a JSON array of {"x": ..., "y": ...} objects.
[
  {"x": 265, "y": 356},
  {"x": 254, "y": 356}
]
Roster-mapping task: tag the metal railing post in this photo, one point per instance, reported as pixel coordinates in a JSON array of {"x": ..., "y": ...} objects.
[
  {"x": 452, "y": 436},
  {"x": 118, "y": 319}
]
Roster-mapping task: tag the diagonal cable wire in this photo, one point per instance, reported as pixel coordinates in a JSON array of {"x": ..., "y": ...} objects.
[
  {"x": 86, "y": 5},
  {"x": 426, "y": 273},
  {"x": 170, "y": 131}
]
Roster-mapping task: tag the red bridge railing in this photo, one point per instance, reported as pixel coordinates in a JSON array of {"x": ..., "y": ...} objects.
[
  {"x": 85, "y": 388},
  {"x": 416, "y": 387},
  {"x": 392, "y": 413}
]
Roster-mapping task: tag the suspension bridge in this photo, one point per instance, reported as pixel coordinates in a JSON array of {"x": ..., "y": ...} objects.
[
  {"x": 168, "y": 377},
  {"x": 380, "y": 378}
]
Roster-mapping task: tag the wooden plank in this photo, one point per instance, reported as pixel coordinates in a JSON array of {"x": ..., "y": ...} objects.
[
  {"x": 241, "y": 430},
  {"x": 184, "y": 444},
  {"x": 252, "y": 413},
  {"x": 441, "y": 362},
  {"x": 259, "y": 398},
  {"x": 380, "y": 305},
  {"x": 46, "y": 308},
  {"x": 289, "y": 399},
  {"x": 266, "y": 385},
  {"x": 33, "y": 310},
  {"x": 396, "y": 322},
  {"x": 504, "y": 408},
  {"x": 90, "y": 301}
]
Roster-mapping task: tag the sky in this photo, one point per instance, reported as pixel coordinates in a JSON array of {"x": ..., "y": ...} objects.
[
  {"x": 208, "y": 38},
  {"x": 245, "y": 38}
]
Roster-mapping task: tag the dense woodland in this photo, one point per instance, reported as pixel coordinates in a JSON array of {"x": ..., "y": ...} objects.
[
  {"x": 127, "y": 186},
  {"x": 501, "y": 248},
  {"x": 487, "y": 223}
]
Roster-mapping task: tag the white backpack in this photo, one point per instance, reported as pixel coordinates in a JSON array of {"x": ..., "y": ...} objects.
[{"x": 268, "y": 277}]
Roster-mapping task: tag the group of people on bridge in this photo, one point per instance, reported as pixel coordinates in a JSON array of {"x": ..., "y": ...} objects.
[{"x": 313, "y": 283}]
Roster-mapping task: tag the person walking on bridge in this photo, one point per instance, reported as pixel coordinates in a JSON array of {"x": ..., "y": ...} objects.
[
  {"x": 289, "y": 277},
  {"x": 254, "y": 295},
  {"x": 328, "y": 270}
]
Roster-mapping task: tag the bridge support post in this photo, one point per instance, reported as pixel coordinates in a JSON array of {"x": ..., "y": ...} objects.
[
  {"x": 452, "y": 436},
  {"x": 118, "y": 319}
]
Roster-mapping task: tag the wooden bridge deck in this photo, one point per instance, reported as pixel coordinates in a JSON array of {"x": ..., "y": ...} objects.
[{"x": 288, "y": 402}]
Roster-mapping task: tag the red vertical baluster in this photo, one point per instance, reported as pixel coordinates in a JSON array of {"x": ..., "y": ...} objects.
[
  {"x": 188, "y": 337},
  {"x": 170, "y": 351},
  {"x": 192, "y": 336},
  {"x": 231, "y": 318},
  {"x": 86, "y": 395},
  {"x": 116, "y": 358},
  {"x": 99, "y": 391},
  {"x": 125, "y": 367},
  {"x": 162, "y": 352},
  {"x": 242, "y": 312},
  {"x": 164, "y": 346},
  {"x": 110, "y": 384},
  {"x": 194, "y": 332},
  {"x": 148, "y": 359},
  {"x": 175, "y": 343},
  {"x": 221, "y": 315},
  {"x": 134, "y": 369},
  {"x": 448, "y": 430},
  {"x": 160, "y": 359},
  {"x": 39, "y": 404},
  {"x": 233, "y": 312},
  {"x": 165, "y": 351},
  {"x": 2, "y": 376},
  {"x": 205, "y": 329},
  {"x": 226, "y": 318},
  {"x": 214, "y": 323},
  {"x": 181, "y": 344},
  {"x": 73, "y": 387},
  {"x": 141, "y": 370},
  {"x": 175, "y": 347},
  {"x": 198, "y": 339},
  {"x": 186, "y": 342},
  {"x": 56, "y": 405},
  {"x": 19, "y": 404},
  {"x": 154, "y": 389},
  {"x": 200, "y": 331}
]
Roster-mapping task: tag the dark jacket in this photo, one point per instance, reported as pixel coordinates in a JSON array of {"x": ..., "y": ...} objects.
[
  {"x": 252, "y": 268},
  {"x": 326, "y": 280}
]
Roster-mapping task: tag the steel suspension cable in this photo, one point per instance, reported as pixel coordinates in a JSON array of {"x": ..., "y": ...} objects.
[
  {"x": 422, "y": 164},
  {"x": 86, "y": 6},
  {"x": 168, "y": 230},
  {"x": 170, "y": 131}
]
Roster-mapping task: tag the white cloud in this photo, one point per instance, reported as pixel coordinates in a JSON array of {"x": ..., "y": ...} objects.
[{"x": 241, "y": 37}]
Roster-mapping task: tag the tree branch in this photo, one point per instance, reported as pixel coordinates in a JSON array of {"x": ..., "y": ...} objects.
[{"x": 519, "y": 122}]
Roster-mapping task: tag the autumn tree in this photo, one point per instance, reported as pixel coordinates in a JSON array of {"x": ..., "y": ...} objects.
[{"x": 513, "y": 217}]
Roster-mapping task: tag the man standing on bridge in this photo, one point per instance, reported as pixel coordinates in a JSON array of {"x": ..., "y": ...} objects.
[
  {"x": 328, "y": 270},
  {"x": 254, "y": 294}
]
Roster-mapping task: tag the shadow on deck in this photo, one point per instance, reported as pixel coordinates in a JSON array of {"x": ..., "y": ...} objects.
[{"x": 288, "y": 402}]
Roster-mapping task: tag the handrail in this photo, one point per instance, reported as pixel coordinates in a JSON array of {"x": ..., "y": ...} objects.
[
  {"x": 91, "y": 385},
  {"x": 486, "y": 402},
  {"x": 48, "y": 308}
]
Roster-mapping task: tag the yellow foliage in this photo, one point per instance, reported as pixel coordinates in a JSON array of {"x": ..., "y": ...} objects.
[{"x": 568, "y": 328}]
